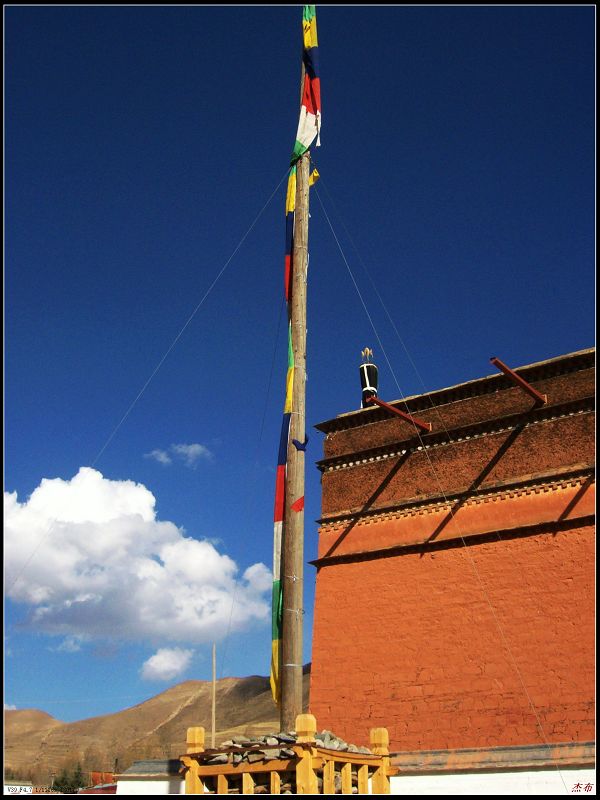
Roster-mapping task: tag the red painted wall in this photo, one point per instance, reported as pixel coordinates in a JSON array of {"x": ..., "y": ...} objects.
[
  {"x": 484, "y": 639},
  {"x": 410, "y": 643}
]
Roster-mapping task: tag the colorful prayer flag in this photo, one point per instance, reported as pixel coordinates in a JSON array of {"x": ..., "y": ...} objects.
[
  {"x": 309, "y": 126},
  {"x": 308, "y": 129}
]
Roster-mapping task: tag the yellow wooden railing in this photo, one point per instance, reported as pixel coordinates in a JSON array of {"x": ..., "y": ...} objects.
[{"x": 312, "y": 770}]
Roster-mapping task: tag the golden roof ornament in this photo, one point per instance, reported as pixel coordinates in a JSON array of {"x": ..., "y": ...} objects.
[{"x": 367, "y": 355}]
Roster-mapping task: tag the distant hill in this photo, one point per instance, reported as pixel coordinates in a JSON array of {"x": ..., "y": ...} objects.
[{"x": 155, "y": 728}]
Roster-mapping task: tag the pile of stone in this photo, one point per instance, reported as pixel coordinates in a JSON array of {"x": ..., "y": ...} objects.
[
  {"x": 278, "y": 746},
  {"x": 241, "y": 748}
]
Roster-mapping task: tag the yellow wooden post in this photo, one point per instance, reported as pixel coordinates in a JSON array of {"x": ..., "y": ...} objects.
[
  {"x": 275, "y": 782},
  {"x": 329, "y": 778},
  {"x": 195, "y": 740},
  {"x": 195, "y": 744},
  {"x": 363, "y": 779},
  {"x": 380, "y": 742},
  {"x": 193, "y": 782},
  {"x": 222, "y": 784},
  {"x": 306, "y": 727},
  {"x": 306, "y": 777},
  {"x": 247, "y": 783},
  {"x": 346, "y": 778}
]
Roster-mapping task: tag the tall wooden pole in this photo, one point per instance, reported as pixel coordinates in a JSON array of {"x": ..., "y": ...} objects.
[
  {"x": 293, "y": 540},
  {"x": 214, "y": 694}
]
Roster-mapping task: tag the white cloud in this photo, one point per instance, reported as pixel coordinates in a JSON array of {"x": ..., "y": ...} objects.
[
  {"x": 70, "y": 644},
  {"x": 9, "y": 708},
  {"x": 159, "y": 455},
  {"x": 192, "y": 453},
  {"x": 166, "y": 664},
  {"x": 103, "y": 567}
]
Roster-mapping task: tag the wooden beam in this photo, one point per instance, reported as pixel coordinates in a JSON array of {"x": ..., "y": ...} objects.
[
  {"x": 418, "y": 423},
  {"x": 541, "y": 399},
  {"x": 274, "y": 765}
]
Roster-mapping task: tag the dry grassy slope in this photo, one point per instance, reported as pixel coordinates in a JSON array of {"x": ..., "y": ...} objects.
[
  {"x": 23, "y": 733},
  {"x": 155, "y": 728}
]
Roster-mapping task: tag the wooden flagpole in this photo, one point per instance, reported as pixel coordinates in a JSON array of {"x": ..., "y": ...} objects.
[
  {"x": 292, "y": 564},
  {"x": 293, "y": 542},
  {"x": 214, "y": 694}
]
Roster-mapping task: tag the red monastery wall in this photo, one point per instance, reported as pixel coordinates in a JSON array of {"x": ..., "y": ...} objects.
[{"x": 455, "y": 584}]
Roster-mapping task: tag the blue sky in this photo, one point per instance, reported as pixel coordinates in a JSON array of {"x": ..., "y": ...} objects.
[{"x": 141, "y": 143}]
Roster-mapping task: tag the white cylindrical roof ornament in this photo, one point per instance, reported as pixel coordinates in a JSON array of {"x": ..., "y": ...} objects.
[{"x": 368, "y": 377}]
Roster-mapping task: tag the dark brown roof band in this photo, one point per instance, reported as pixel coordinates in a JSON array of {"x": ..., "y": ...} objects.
[
  {"x": 561, "y": 365},
  {"x": 412, "y": 442}
]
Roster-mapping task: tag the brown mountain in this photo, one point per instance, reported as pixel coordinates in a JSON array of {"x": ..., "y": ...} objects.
[{"x": 37, "y": 743}]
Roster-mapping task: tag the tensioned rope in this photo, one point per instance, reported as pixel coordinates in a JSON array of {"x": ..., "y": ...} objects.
[
  {"x": 440, "y": 487},
  {"x": 434, "y": 407},
  {"x": 223, "y": 655},
  {"x": 156, "y": 369},
  {"x": 474, "y": 487},
  {"x": 251, "y": 494},
  {"x": 190, "y": 318},
  {"x": 387, "y": 313}
]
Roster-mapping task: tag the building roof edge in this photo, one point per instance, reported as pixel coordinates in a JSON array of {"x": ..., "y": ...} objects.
[{"x": 474, "y": 387}]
